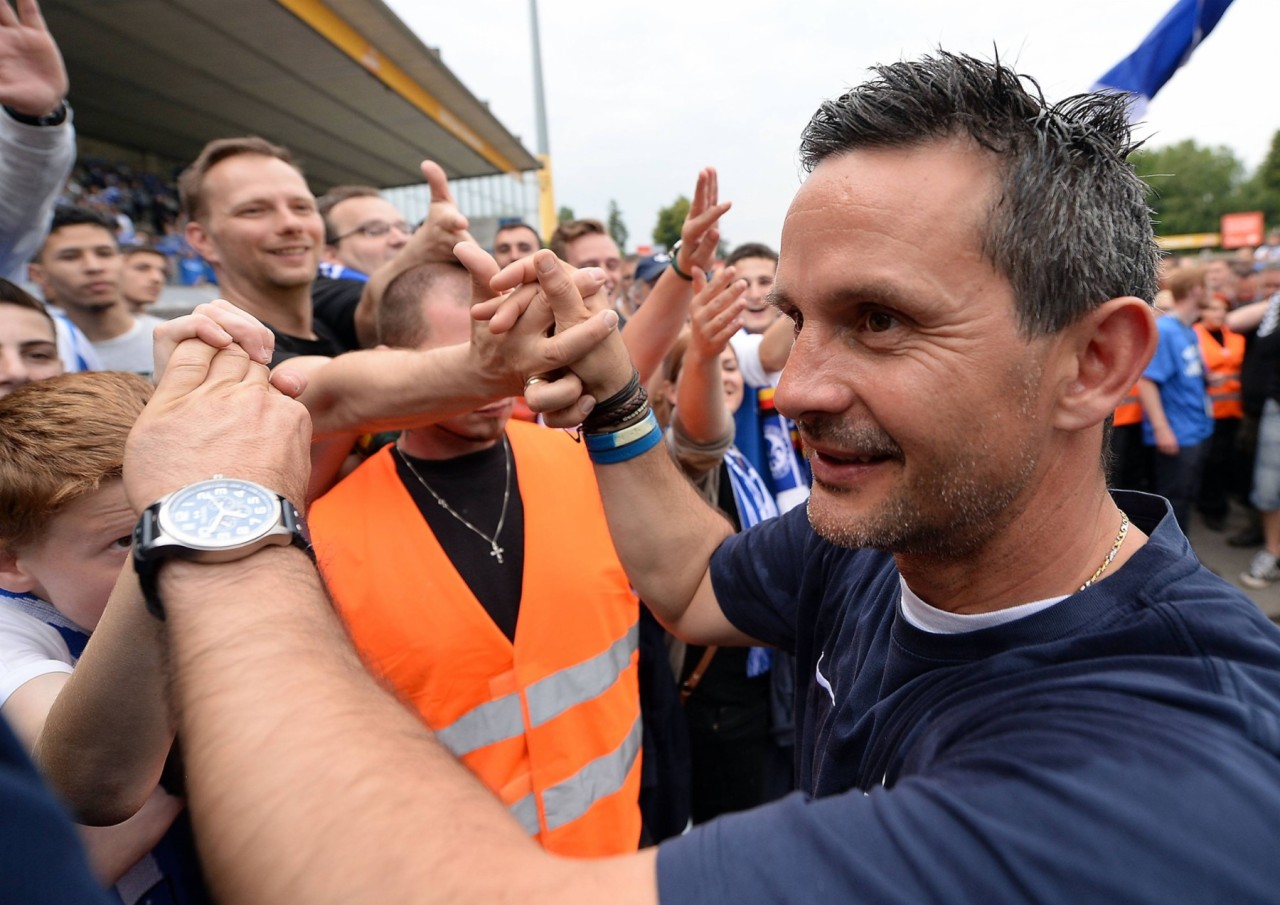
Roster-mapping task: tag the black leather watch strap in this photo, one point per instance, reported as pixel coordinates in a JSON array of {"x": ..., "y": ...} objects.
[
  {"x": 56, "y": 118},
  {"x": 148, "y": 566}
]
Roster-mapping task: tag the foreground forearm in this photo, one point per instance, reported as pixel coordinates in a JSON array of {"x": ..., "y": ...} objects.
[
  {"x": 663, "y": 530},
  {"x": 256, "y": 760},
  {"x": 106, "y": 737}
]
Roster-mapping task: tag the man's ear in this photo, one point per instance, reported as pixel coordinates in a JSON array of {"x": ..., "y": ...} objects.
[
  {"x": 1111, "y": 346},
  {"x": 198, "y": 238},
  {"x": 35, "y": 273},
  {"x": 13, "y": 576}
]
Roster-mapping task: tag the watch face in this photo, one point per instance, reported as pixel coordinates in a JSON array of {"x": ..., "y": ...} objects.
[{"x": 220, "y": 513}]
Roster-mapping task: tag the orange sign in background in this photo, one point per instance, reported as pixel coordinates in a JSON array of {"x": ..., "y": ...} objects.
[{"x": 1243, "y": 229}]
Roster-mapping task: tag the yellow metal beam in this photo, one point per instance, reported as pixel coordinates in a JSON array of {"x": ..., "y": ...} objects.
[
  {"x": 338, "y": 32},
  {"x": 547, "y": 220}
]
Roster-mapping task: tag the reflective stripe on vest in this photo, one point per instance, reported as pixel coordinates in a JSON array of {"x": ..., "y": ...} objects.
[
  {"x": 552, "y": 696},
  {"x": 500, "y": 719},
  {"x": 569, "y": 800}
]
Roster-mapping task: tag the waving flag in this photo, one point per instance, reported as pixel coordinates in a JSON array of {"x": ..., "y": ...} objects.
[{"x": 1168, "y": 47}]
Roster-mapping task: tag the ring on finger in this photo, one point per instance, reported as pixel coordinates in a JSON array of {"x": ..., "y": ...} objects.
[{"x": 534, "y": 378}]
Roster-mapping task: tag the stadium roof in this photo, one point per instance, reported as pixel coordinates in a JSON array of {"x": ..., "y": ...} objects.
[{"x": 345, "y": 85}]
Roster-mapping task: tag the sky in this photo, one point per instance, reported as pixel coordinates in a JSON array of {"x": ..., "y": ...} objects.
[{"x": 641, "y": 96}]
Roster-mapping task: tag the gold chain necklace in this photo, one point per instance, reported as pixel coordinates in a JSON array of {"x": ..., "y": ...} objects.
[
  {"x": 1111, "y": 554},
  {"x": 494, "y": 550}
]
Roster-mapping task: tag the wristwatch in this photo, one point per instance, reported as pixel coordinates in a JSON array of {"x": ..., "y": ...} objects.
[{"x": 218, "y": 520}]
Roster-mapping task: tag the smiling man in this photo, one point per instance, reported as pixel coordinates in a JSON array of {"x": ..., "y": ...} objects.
[
  {"x": 1012, "y": 685},
  {"x": 251, "y": 215}
]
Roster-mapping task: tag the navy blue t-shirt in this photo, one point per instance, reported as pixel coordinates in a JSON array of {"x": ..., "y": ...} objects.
[
  {"x": 1122, "y": 745},
  {"x": 41, "y": 858}
]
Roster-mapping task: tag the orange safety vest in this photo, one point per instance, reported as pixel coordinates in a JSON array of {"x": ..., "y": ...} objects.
[
  {"x": 1222, "y": 363},
  {"x": 551, "y": 723},
  {"x": 1129, "y": 411}
]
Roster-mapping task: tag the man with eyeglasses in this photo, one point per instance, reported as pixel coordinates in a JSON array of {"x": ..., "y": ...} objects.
[{"x": 362, "y": 231}]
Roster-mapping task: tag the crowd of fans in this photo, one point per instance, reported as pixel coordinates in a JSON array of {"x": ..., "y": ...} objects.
[{"x": 464, "y": 544}]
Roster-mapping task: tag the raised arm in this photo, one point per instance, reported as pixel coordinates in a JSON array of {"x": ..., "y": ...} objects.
[
  {"x": 663, "y": 531},
  {"x": 434, "y": 240},
  {"x": 715, "y": 315},
  {"x": 35, "y": 157},
  {"x": 653, "y": 329}
]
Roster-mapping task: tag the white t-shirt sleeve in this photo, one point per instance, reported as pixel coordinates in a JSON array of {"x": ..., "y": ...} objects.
[
  {"x": 29, "y": 648},
  {"x": 746, "y": 346}
]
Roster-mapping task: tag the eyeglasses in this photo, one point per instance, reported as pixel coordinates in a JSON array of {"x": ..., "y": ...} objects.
[{"x": 375, "y": 228}]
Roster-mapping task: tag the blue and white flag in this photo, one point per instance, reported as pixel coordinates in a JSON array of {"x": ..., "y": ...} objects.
[{"x": 1159, "y": 56}]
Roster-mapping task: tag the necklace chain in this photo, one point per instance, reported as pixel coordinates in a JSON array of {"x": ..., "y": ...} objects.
[
  {"x": 494, "y": 549},
  {"x": 1111, "y": 554}
]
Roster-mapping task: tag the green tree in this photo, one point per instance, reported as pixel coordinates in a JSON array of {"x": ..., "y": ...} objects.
[
  {"x": 1263, "y": 188},
  {"x": 565, "y": 213},
  {"x": 1192, "y": 186},
  {"x": 670, "y": 219},
  {"x": 617, "y": 229}
]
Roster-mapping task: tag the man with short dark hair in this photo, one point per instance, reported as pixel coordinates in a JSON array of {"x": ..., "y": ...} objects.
[
  {"x": 362, "y": 232},
  {"x": 79, "y": 270},
  {"x": 1003, "y": 670},
  {"x": 145, "y": 272},
  {"x": 514, "y": 240}
]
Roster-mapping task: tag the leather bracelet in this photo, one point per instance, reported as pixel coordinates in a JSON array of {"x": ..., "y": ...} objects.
[{"x": 619, "y": 410}]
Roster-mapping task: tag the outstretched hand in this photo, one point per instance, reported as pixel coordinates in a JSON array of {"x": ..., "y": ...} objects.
[
  {"x": 715, "y": 314},
  {"x": 700, "y": 234},
  {"x": 33, "y": 79}
]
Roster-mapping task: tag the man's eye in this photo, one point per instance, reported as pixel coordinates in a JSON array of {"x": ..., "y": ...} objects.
[
  {"x": 122, "y": 543},
  {"x": 880, "y": 322}
]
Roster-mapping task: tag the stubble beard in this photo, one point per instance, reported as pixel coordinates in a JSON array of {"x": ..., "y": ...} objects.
[{"x": 950, "y": 508}]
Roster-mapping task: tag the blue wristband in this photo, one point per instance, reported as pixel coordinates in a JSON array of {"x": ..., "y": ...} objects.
[
  {"x": 628, "y": 450},
  {"x": 622, "y": 437}
]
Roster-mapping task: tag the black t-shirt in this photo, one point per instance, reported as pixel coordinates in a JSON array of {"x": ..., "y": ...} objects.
[
  {"x": 334, "y": 303},
  {"x": 473, "y": 487},
  {"x": 287, "y": 346}
]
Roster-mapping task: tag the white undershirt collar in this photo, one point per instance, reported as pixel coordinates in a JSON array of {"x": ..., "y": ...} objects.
[{"x": 930, "y": 619}]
